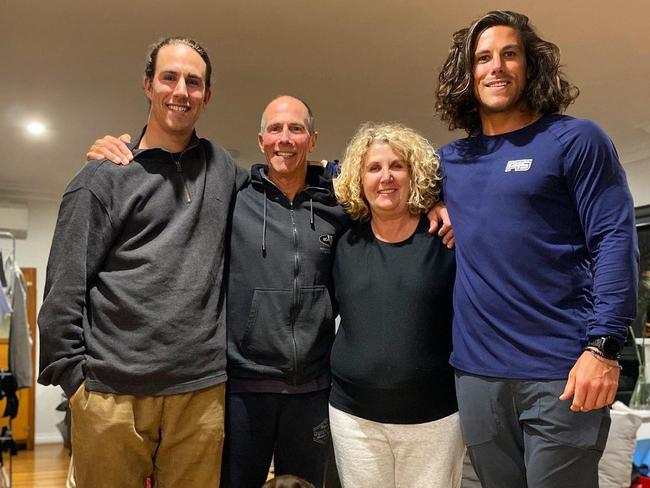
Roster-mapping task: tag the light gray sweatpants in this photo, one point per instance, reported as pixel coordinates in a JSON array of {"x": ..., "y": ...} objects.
[{"x": 373, "y": 454}]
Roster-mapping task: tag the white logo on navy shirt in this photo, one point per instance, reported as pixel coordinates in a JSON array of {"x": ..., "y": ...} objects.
[{"x": 519, "y": 165}]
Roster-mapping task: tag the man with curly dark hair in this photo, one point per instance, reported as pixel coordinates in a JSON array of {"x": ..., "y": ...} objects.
[{"x": 545, "y": 292}]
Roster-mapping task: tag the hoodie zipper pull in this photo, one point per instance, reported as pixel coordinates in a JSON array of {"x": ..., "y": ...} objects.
[{"x": 186, "y": 190}]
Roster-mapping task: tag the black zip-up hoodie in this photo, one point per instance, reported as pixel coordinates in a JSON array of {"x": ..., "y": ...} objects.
[
  {"x": 134, "y": 302},
  {"x": 279, "y": 314}
]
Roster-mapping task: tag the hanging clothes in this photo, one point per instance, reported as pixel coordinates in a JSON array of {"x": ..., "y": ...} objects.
[
  {"x": 5, "y": 308},
  {"x": 20, "y": 340},
  {"x": 3, "y": 279},
  {"x": 5, "y": 299},
  {"x": 8, "y": 267}
]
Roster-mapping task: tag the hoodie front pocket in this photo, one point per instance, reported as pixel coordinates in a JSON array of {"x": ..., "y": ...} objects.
[
  {"x": 268, "y": 338},
  {"x": 314, "y": 330}
]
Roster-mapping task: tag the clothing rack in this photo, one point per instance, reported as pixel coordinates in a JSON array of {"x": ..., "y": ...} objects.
[
  {"x": 8, "y": 235},
  {"x": 8, "y": 259}
]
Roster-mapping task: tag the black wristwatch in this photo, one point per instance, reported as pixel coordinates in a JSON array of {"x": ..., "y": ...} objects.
[{"x": 609, "y": 346}]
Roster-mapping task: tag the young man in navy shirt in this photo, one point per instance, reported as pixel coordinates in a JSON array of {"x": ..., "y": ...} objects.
[{"x": 545, "y": 294}]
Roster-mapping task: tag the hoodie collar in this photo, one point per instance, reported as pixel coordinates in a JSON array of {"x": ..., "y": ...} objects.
[{"x": 317, "y": 185}]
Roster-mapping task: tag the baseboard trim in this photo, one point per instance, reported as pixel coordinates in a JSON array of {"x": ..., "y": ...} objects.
[{"x": 53, "y": 438}]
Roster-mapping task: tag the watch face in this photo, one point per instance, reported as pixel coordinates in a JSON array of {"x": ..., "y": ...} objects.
[{"x": 610, "y": 346}]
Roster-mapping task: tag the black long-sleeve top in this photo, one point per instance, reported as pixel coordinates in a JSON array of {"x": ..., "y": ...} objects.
[{"x": 390, "y": 356}]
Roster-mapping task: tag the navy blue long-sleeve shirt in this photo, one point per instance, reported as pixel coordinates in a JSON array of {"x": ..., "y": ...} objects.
[{"x": 546, "y": 247}]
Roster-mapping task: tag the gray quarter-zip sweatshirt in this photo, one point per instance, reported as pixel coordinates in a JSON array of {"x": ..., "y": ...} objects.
[{"x": 134, "y": 299}]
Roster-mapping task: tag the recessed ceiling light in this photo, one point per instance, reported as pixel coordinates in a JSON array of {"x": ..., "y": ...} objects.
[{"x": 36, "y": 128}]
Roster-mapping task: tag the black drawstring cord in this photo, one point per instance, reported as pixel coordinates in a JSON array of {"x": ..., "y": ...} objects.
[
  {"x": 311, "y": 212},
  {"x": 264, "y": 227}
]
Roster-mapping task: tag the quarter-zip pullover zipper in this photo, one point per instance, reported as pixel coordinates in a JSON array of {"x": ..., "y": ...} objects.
[
  {"x": 187, "y": 196},
  {"x": 179, "y": 170}
]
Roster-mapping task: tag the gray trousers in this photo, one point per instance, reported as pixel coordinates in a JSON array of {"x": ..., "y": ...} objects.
[{"x": 520, "y": 435}]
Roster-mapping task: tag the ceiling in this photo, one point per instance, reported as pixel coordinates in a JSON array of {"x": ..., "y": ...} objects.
[{"x": 77, "y": 66}]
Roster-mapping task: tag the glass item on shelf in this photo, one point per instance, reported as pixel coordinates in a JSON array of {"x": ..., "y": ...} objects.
[
  {"x": 641, "y": 395},
  {"x": 640, "y": 399}
]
